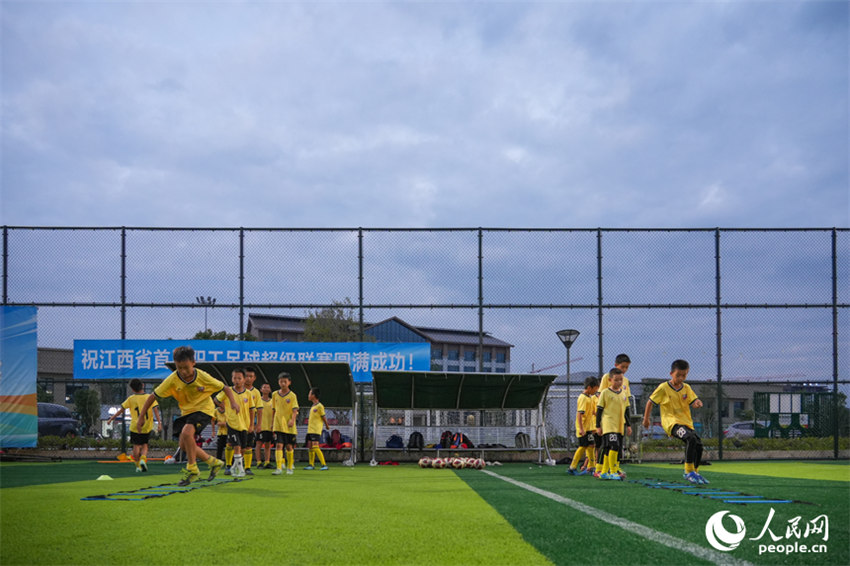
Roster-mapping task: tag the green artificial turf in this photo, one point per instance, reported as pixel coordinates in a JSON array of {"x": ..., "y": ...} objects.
[
  {"x": 560, "y": 532},
  {"x": 361, "y": 515}
]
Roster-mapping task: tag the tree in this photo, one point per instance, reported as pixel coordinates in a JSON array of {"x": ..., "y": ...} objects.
[
  {"x": 41, "y": 394},
  {"x": 336, "y": 323},
  {"x": 87, "y": 405},
  {"x": 222, "y": 335}
]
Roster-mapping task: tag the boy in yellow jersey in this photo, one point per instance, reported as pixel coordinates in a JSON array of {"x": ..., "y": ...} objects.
[
  {"x": 193, "y": 389},
  {"x": 585, "y": 425},
  {"x": 139, "y": 440},
  {"x": 315, "y": 423},
  {"x": 621, "y": 362},
  {"x": 612, "y": 416},
  {"x": 254, "y": 427},
  {"x": 285, "y": 409},
  {"x": 266, "y": 436},
  {"x": 675, "y": 399},
  {"x": 237, "y": 422}
]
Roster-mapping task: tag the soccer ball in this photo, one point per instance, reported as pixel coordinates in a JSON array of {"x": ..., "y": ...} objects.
[
  {"x": 479, "y": 464},
  {"x": 438, "y": 463},
  {"x": 457, "y": 463},
  {"x": 425, "y": 462}
]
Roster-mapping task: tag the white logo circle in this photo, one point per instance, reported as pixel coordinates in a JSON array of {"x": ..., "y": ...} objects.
[{"x": 719, "y": 537}]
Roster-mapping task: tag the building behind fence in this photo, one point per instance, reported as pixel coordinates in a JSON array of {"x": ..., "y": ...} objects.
[{"x": 756, "y": 312}]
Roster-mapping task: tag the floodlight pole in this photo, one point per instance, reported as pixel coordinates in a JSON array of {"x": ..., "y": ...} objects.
[
  {"x": 567, "y": 338},
  {"x": 206, "y": 302}
]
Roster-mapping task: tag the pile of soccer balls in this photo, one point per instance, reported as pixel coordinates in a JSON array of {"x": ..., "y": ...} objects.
[{"x": 456, "y": 463}]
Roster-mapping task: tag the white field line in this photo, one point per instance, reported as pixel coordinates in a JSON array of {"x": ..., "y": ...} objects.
[{"x": 638, "y": 529}]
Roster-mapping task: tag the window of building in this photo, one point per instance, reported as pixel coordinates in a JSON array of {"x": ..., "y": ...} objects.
[
  {"x": 469, "y": 355},
  {"x": 738, "y": 407},
  {"x": 70, "y": 390},
  {"x": 470, "y": 368},
  {"x": 436, "y": 352},
  {"x": 436, "y": 366},
  {"x": 454, "y": 367},
  {"x": 500, "y": 357},
  {"x": 454, "y": 354},
  {"x": 488, "y": 356}
]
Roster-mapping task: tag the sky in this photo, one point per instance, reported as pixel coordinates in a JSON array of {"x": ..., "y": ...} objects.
[{"x": 425, "y": 114}]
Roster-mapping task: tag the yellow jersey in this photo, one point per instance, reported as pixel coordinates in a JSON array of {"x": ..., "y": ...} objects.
[
  {"x": 283, "y": 407},
  {"x": 604, "y": 383},
  {"x": 613, "y": 411},
  {"x": 315, "y": 424},
  {"x": 268, "y": 414},
  {"x": 220, "y": 423},
  {"x": 675, "y": 405},
  {"x": 135, "y": 404},
  {"x": 193, "y": 396},
  {"x": 257, "y": 397},
  {"x": 586, "y": 414},
  {"x": 242, "y": 419}
]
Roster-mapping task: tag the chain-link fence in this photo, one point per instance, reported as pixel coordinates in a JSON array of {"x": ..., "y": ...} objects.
[{"x": 754, "y": 311}]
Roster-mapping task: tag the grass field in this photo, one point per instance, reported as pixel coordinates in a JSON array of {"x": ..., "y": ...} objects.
[{"x": 513, "y": 514}]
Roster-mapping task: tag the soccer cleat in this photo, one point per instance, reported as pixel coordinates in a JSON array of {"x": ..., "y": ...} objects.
[
  {"x": 309, "y": 468},
  {"x": 574, "y": 472},
  {"x": 693, "y": 477},
  {"x": 248, "y": 472},
  {"x": 216, "y": 468},
  {"x": 227, "y": 472},
  {"x": 289, "y": 471},
  {"x": 138, "y": 469},
  {"x": 622, "y": 474},
  {"x": 323, "y": 468},
  {"x": 702, "y": 480},
  {"x": 607, "y": 476},
  {"x": 269, "y": 466},
  {"x": 597, "y": 475},
  {"x": 188, "y": 477},
  {"x": 143, "y": 465},
  {"x": 277, "y": 472},
  {"x": 615, "y": 476}
]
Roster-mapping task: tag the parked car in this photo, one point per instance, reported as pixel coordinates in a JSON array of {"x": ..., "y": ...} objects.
[
  {"x": 57, "y": 420},
  {"x": 743, "y": 429}
]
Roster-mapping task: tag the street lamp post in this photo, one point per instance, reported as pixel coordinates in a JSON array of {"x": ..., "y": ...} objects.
[
  {"x": 206, "y": 302},
  {"x": 567, "y": 338}
]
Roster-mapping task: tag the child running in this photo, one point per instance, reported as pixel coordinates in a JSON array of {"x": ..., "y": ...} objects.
[
  {"x": 193, "y": 389},
  {"x": 139, "y": 440},
  {"x": 675, "y": 399}
]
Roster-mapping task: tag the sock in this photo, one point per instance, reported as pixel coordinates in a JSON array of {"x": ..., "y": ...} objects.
[
  {"x": 578, "y": 456},
  {"x": 278, "y": 456},
  {"x": 249, "y": 457},
  {"x": 319, "y": 454},
  {"x": 193, "y": 468},
  {"x": 311, "y": 457},
  {"x": 228, "y": 455},
  {"x": 212, "y": 461},
  {"x": 591, "y": 458},
  {"x": 238, "y": 462},
  {"x": 605, "y": 464},
  {"x": 290, "y": 459},
  {"x": 614, "y": 462},
  {"x": 688, "y": 468}
]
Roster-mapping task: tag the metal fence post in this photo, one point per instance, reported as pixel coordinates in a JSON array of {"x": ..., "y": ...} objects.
[
  {"x": 835, "y": 407},
  {"x": 241, "y": 335},
  {"x": 599, "y": 298},
  {"x": 123, "y": 285},
  {"x": 719, "y": 344}
]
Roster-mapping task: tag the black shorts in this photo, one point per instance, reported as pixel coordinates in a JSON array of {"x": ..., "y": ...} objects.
[
  {"x": 285, "y": 438},
  {"x": 683, "y": 433},
  {"x": 197, "y": 419},
  {"x": 139, "y": 438},
  {"x": 266, "y": 436},
  {"x": 237, "y": 437},
  {"x": 612, "y": 441},
  {"x": 314, "y": 437},
  {"x": 252, "y": 439},
  {"x": 588, "y": 439}
]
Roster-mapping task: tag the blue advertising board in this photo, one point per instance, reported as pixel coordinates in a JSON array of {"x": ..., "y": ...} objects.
[{"x": 146, "y": 359}]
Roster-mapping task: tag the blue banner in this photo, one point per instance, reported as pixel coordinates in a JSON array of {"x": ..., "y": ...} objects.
[
  {"x": 146, "y": 359},
  {"x": 18, "y": 373}
]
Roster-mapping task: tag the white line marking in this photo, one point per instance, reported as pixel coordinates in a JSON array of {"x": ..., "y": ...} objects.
[{"x": 636, "y": 528}]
